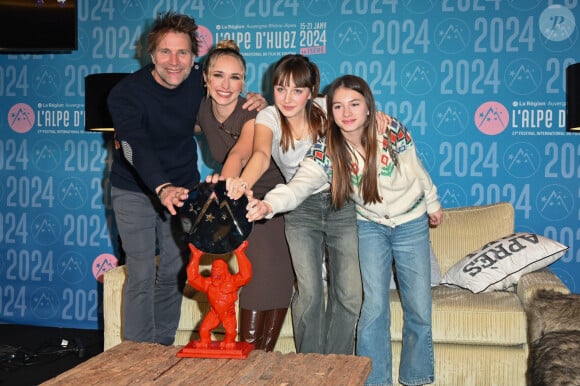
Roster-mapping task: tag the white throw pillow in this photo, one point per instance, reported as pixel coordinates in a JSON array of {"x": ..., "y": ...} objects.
[
  {"x": 435, "y": 270},
  {"x": 499, "y": 264}
]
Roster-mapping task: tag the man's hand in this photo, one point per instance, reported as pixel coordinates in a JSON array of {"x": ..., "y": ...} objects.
[
  {"x": 254, "y": 101},
  {"x": 172, "y": 197}
]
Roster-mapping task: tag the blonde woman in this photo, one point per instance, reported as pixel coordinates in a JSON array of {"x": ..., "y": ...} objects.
[{"x": 229, "y": 130}]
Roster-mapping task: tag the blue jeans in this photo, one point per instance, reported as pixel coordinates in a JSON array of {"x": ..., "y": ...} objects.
[
  {"x": 152, "y": 294},
  {"x": 324, "y": 324},
  {"x": 408, "y": 245}
]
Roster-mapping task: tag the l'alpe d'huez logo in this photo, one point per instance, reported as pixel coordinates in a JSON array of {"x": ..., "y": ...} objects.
[
  {"x": 21, "y": 118},
  {"x": 491, "y": 118}
]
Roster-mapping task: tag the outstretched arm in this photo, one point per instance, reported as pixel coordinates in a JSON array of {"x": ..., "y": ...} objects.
[
  {"x": 244, "y": 274},
  {"x": 309, "y": 177},
  {"x": 194, "y": 278}
]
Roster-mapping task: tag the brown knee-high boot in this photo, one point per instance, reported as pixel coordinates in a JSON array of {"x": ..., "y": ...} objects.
[
  {"x": 251, "y": 327},
  {"x": 273, "y": 321}
]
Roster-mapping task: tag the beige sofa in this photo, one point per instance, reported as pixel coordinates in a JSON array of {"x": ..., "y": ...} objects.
[{"x": 479, "y": 339}]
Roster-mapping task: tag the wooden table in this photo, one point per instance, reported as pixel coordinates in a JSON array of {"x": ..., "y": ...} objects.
[{"x": 132, "y": 363}]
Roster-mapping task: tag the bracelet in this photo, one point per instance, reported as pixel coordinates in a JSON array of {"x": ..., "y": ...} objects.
[{"x": 167, "y": 185}]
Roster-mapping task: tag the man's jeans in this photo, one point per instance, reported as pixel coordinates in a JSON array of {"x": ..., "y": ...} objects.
[
  {"x": 324, "y": 324},
  {"x": 408, "y": 245},
  {"x": 152, "y": 295}
]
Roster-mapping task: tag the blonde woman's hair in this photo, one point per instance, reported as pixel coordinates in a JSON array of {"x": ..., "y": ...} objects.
[{"x": 224, "y": 48}]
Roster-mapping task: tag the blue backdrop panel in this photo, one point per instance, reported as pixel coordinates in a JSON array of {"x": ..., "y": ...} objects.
[{"x": 480, "y": 83}]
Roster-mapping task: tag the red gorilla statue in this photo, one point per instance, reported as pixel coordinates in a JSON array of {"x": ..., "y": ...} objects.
[{"x": 222, "y": 292}]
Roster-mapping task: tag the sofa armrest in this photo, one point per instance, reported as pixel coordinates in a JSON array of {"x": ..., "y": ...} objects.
[
  {"x": 531, "y": 282},
  {"x": 113, "y": 282}
]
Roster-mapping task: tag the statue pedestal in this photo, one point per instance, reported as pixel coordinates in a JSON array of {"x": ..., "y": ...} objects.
[{"x": 214, "y": 350}]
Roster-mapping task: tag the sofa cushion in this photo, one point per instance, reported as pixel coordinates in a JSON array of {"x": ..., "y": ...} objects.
[
  {"x": 465, "y": 229},
  {"x": 462, "y": 317},
  {"x": 499, "y": 264}
]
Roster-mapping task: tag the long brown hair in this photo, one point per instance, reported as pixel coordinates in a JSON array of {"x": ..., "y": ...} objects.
[
  {"x": 341, "y": 154},
  {"x": 299, "y": 69}
]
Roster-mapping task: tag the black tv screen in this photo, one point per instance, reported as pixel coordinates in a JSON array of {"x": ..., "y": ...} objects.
[{"x": 38, "y": 25}]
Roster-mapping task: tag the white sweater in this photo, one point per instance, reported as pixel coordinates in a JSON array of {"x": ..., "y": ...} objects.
[{"x": 407, "y": 192}]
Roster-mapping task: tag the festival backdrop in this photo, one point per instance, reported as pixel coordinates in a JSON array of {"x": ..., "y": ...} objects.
[{"x": 480, "y": 84}]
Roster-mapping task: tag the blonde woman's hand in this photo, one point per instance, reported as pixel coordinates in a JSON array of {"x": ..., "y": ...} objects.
[
  {"x": 213, "y": 178},
  {"x": 236, "y": 187}
]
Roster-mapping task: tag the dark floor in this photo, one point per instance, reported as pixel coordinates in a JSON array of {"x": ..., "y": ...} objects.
[{"x": 30, "y": 355}]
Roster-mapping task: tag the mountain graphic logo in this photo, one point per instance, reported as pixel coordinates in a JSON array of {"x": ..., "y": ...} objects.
[
  {"x": 452, "y": 36},
  {"x": 72, "y": 193},
  {"x": 46, "y": 155},
  {"x": 523, "y": 76},
  {"x": 351, "y": 38},
  {"x": 452, "y": 195},
  {"x": 491, "y": 118},
  {"x": 450, "y": 118},
  {"x": 45, "y": 229},
  {"x": 418, "y": 77},
  {"x": 555, "y": 202},
  {"x": 47, "y": 82},
  {"x": 44, "y": 303},
  {"x": 133, "y": 9},
  {"x": 21, "y": 118},
  {"x": 419, "y": 7},
  {"x": 72, "y": 267},
  {"x": 224, "y": 9},
  {"x": 103, "y": 263},
  {"x": 521, "y": 160},
  {"x": 319, "y": 7}
]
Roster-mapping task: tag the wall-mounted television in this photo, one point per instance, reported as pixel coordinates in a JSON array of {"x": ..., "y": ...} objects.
[{"x": 29, "y": 26}]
